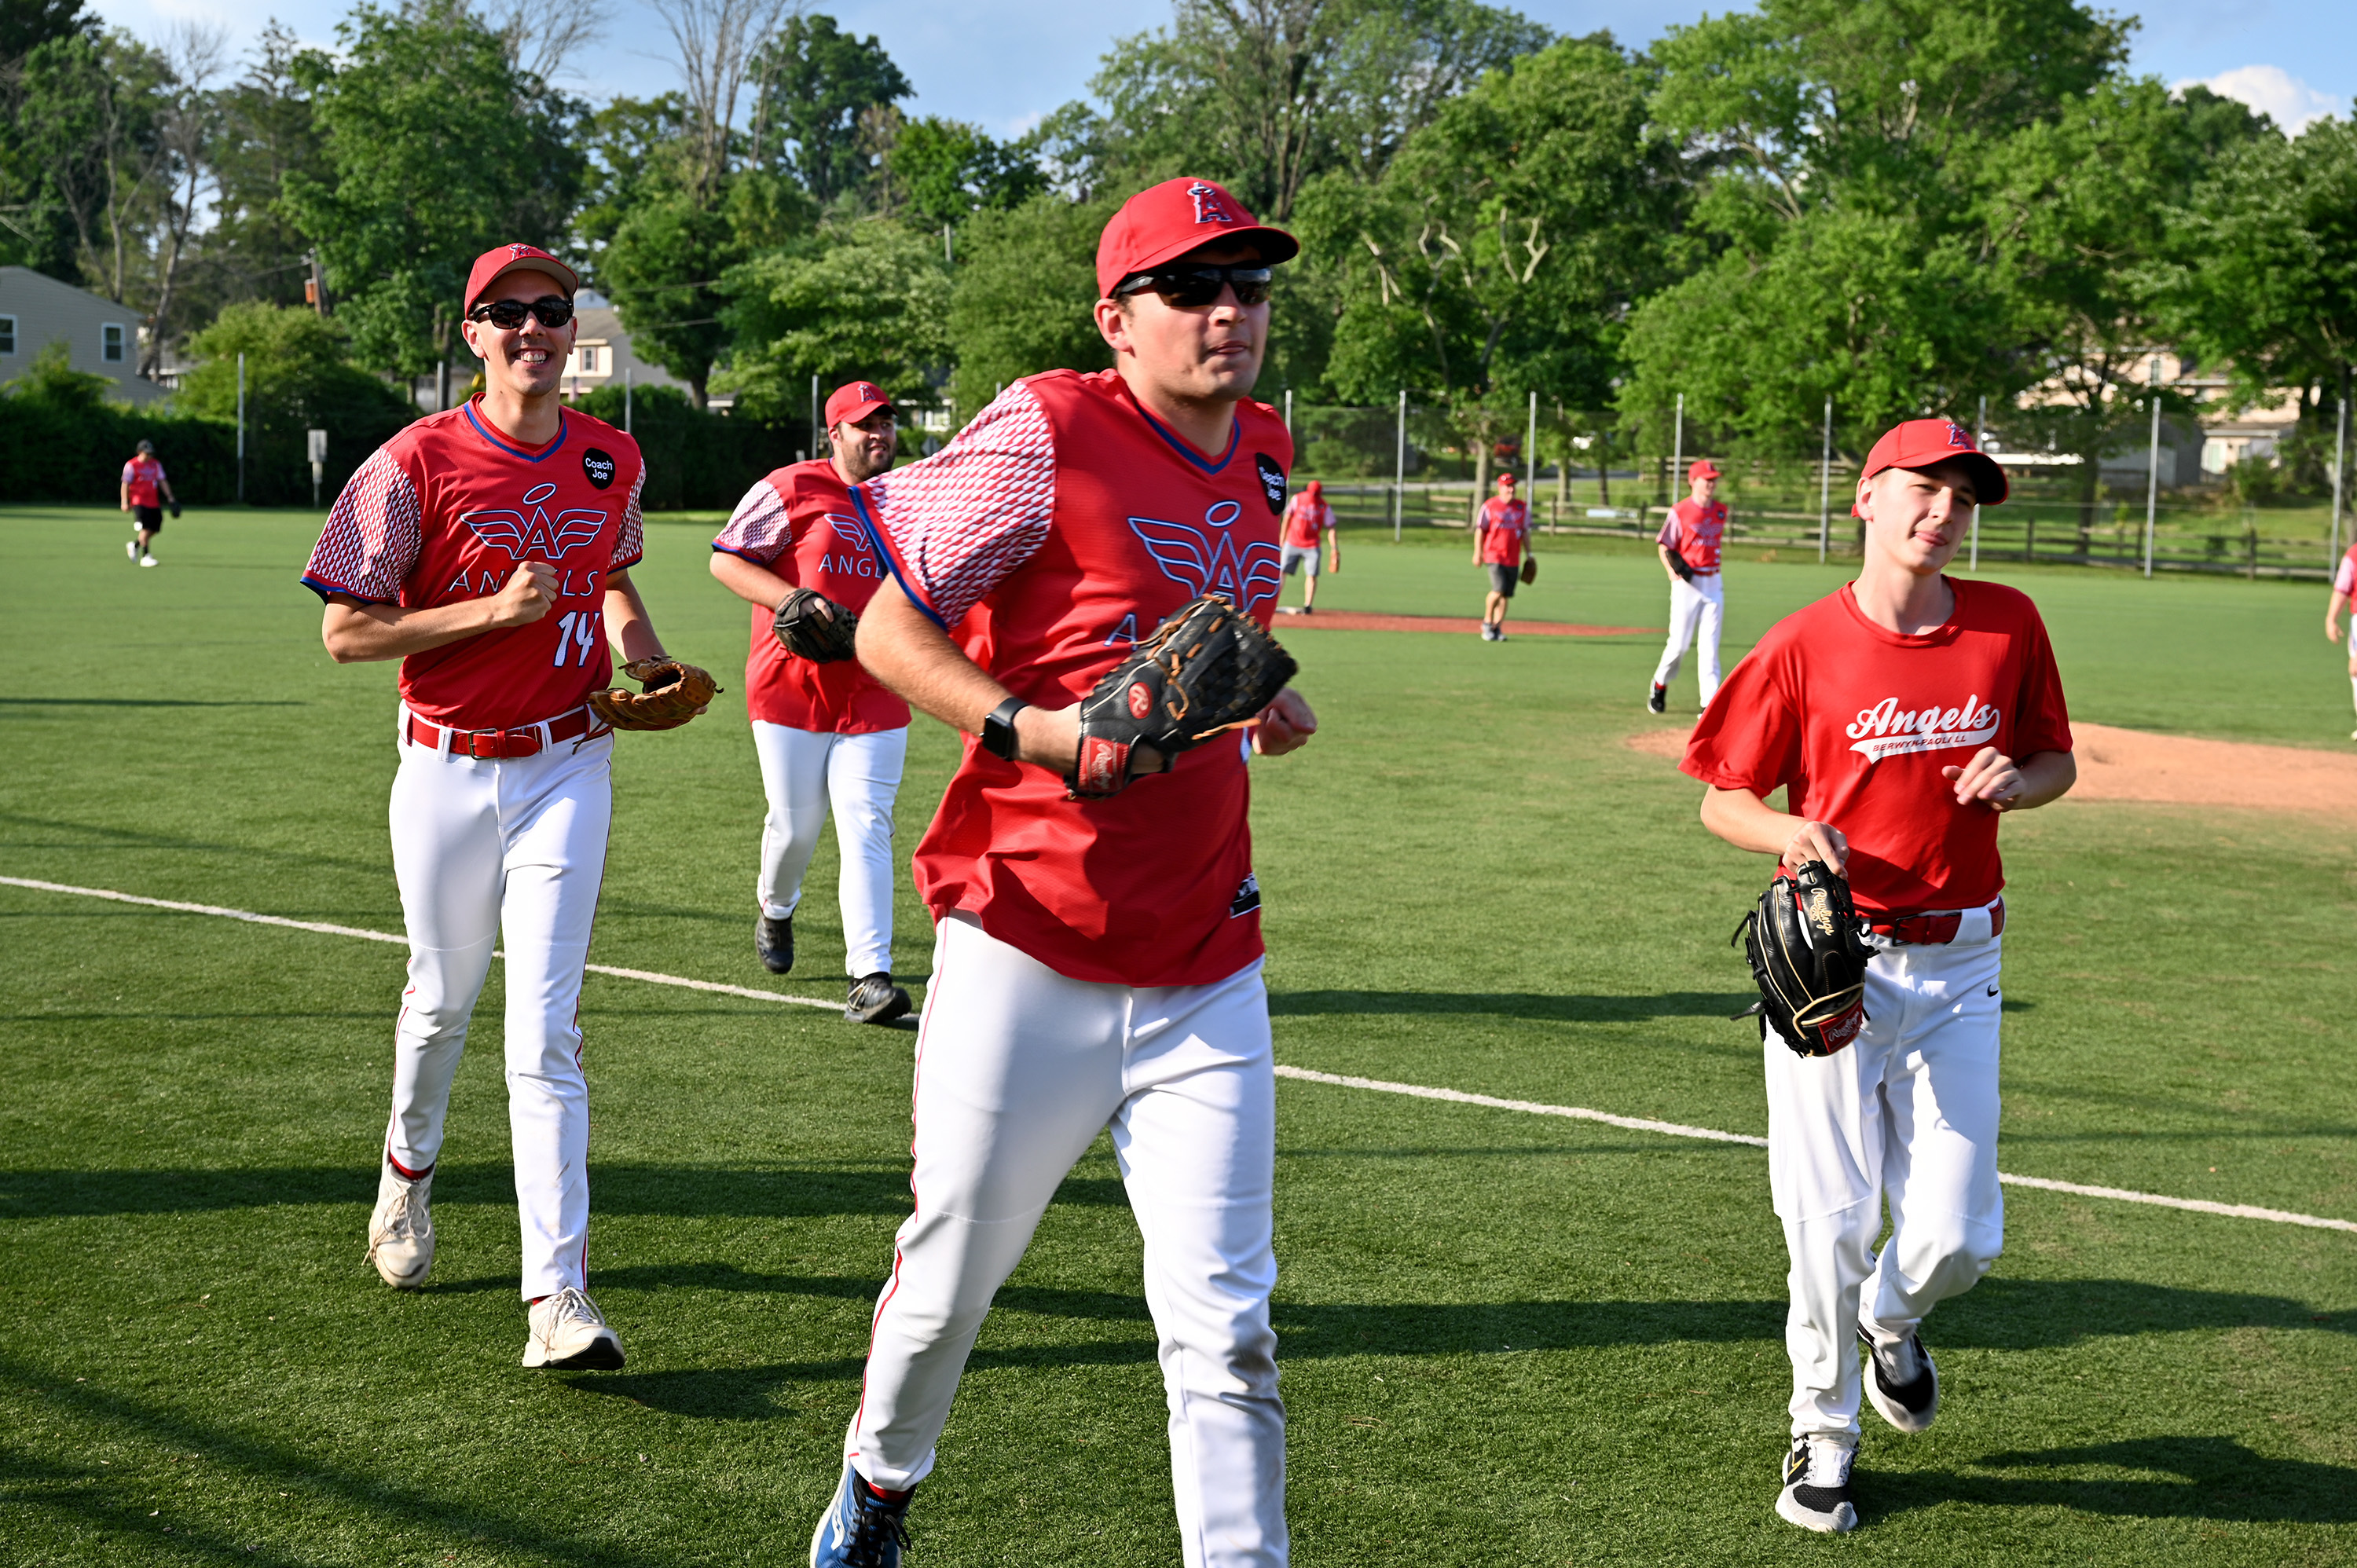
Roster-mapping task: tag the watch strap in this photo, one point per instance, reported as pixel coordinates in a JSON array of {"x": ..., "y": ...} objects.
[{"x": 998, "y": 729}]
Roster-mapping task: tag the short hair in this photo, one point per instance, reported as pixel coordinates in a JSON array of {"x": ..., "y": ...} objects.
[{"x": 148, "y": 447}]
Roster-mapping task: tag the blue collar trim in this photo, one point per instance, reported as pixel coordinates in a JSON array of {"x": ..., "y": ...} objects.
[
  {"x": 563, "y": 428},
  {"x": 1235, "y": 435}
]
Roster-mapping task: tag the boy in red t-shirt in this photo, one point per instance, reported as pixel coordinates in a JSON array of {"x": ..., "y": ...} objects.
[
  {"x": 146, "y": 493},
  {"x": 1501, "y": 525},
  {"x": 825, "y": 734},
  {"x": 1903, "y": 800}
]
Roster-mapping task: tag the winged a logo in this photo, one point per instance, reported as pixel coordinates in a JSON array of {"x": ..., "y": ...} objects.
[
  {"x": 529, "y": 533},
  {"x": 848, "y": 528},
  {"x": 1206, "y": 558}
]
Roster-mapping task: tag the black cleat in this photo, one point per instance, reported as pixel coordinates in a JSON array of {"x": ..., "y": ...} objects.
[
  {"x": 1816, "y": 1484},
  {"x": 875, "y": 1000},
  {"x": 1908, "y": 1406},
  {"x": 773, "y": 944},
  {"x": 1658, "y": 700}
]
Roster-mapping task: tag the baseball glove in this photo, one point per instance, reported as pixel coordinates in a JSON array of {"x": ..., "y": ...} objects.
[
  {"x": 1530, "y": 570},
  {"x": 1678, "y": 565},
  {"x": 1808, "y": 952},
  {"x": 815, "y": 626},
  {"x": 1207, "y": 667},
  {"x": 176, "y": 509},
  {"x": 674, "y": 694}
]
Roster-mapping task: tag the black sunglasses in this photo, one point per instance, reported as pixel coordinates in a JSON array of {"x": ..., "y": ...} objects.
[
  {"x": 1193, "y": 288},
  {"x": 552, "y": 310}
]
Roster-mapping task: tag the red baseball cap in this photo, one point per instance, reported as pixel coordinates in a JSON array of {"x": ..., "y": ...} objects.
[
  {"x": 497, "y": 263},
  {"x": 1927, "y": 444},
  {"x": 1165, "y": 222},
  {"x": 854, "y": 400},
  {"x": 1507, "y": 480},
  {"x": 1317, "y": 488},
  {"x": 1700, "y": 468}
]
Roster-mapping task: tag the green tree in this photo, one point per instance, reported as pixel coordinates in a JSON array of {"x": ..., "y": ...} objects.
[
  {"x": 265, "y": 135},
  {"x": 297, "y": 378},
  {"x": 436, "y": 148},
  {"x": 1020, "y": 304},
  {"x": 944, "y": 170},
  {"x": 868, "y": 300},
  {"x": 90, "y": 121},
  {"x": 815, "y": 86}
]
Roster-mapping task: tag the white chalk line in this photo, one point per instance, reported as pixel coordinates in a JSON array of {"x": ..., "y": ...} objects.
[{"x": 1306, "y": 1075}]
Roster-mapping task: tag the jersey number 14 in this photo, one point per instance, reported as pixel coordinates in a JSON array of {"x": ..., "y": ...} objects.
[{"x": 577, "y": 634}]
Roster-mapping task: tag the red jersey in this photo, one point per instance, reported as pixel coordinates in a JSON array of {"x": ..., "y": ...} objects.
[
  {"x": 140, "y": 477},
  {"x": 446, "y": 510},
  {"x": 799, "y": 523},
  {"x": 1305, "y": 522},
  {"x": 1693, "y": 531},
  {"x": 1503, "y": 524},
  {"x": 2344, "y": 576},
  {"x": 1062, "y": 525},
  {"x": 1858, "y": 721}
]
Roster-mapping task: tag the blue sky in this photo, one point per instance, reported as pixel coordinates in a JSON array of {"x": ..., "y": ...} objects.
[{"x": 1004, "y": 64}]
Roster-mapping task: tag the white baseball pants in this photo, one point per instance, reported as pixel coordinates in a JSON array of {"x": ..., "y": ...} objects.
[
  {"x": 1696, "y": 610},
  {"x": 1018, "y": 1069},
  {"x": 802, "y": 773},
  {"x": 1907, "y": 1115},
  {"x": 484, "y": 847}
]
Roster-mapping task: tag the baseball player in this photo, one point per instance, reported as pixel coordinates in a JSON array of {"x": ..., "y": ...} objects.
[
  {"x": 146, "y": 492},
  {"x": 488, "y": 549},
  {"x": 825, "y": 733},
  {"x": 1688, "y": 544},
  {"x": 1502, "y": 526},
  {"x": 1308, "y": 523},
  {"x": 1906, "y": 712},
  {"x": 1097, "y": 959},
  {"x": 2344, "y": 590}
]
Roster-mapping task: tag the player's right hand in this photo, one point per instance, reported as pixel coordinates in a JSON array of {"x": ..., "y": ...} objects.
[
  {"x": 1818, "y": 841},
  {"x": 530, "y": 594}
]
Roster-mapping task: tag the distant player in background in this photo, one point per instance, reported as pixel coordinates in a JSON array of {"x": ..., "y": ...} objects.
[
  {"x": 1689, "y": 547},
  {"x": 146, "y": 492},
  {"x": 1501, "y": 527},
  {"x": 1903, "y": 714},
  {"x": 1309, "y": 522},
  {"x": 825, "y": 734},
  {"x": 2344, "y": 590}
]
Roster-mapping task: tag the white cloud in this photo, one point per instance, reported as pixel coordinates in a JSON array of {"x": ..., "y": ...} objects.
[{"x": 2273, "y": 92}]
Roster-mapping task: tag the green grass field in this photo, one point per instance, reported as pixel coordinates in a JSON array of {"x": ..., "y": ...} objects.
[{"x": 1506, "y": 1339}]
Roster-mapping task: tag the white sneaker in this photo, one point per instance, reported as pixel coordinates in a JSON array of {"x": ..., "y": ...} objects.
[
  {"x": 1817, "y": 1484},
  {"x": 146, "y": 560},
  {"x": 401, "y": 1232},
  {"x": 131, "y": 548},
  {"x": 570, "y": 1334}
]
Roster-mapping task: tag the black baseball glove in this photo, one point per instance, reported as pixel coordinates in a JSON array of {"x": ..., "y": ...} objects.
[
  {"x": 176, "y": 509},
  {"x": 1808, "y": 952},
  {"x": 1678, "y": 565},
  {"x": 815, "y": 626},
  {"x": 1208, "y": 668}
]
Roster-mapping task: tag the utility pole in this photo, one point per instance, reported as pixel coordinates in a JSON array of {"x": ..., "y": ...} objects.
[
  {"x": 627, "y": 371},
  {"x": 1826, "y": 486},
  {"x": 240, "y": 430},
  {"x": 2339, "y": 464},
  {"x": 949, "y": 251},
  {"x": 1399, "y": 470},
  {"x": 1289, "y": 410},
  {"x": 2152, "y": 467},
  {"x": 314, "y": 288},
  {"x": 1678, "y": 450},
  {"x": 1530, "y": 455},
  {"x": 817, "y": 447},
  {"x": 1980, "y": 438}
]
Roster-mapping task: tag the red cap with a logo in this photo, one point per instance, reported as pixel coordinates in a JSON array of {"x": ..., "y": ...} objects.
[
  {"x": 1165, "y": 222},
  {"x": 854, "y": 400},
  {"x": 1506, "y": 482},
  {"x": 1701, "y": 468},
  {"x": 1927, "y": 444},
  {"x": 501, "y": 259}
]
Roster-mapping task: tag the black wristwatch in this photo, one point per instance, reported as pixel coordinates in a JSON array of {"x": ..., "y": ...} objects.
[{"x": 998, "y": 729}]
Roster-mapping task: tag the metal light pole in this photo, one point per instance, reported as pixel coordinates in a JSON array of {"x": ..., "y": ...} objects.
[
  {"x": 818, "y": 448},
  {"x": 1399, "y": 470},
  {"x": 1826, "y": 486},
  {"x": 2152, "y": 467},
  {"x": 1980, "y": 438},
  {"x": 628, "y": 372},
  {"x": 2339, "y": 461},
  {"x": 1678, "y": 448},
  {"x": 1531, "y": 454},
  {"x": 240, "y": 430},
  {"x": 949, "y": 251},
  {"x": 1289, "y": 410}
]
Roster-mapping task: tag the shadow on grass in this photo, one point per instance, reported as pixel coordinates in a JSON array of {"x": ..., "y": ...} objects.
[
  {"x": 147, "y": 702},
  {"x": 2210, "y": 1478},
  {"x": 2004, "y": 1313},
  {"x": 1512, "y": 1004}
]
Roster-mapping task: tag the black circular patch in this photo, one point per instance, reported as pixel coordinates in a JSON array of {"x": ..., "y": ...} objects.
[
  {"x": 1272, "y": 482},
  {"x": 598, "y": 467}
]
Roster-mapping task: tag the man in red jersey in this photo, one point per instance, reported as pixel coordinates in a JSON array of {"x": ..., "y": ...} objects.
[
  {"x": 1688, "y": 545},
  {"x": 823, "y": 733},
  {"x": 1308, "y": 523},
  {"x": 1502, "y": 526},
  {"x": 146, "y": 492},
  {"x": 1097, "y": 961},
  {"x": 2344, "y": 590},
  {"x": 1904, "y": 713},
  {"x": 488, "y": 549}
]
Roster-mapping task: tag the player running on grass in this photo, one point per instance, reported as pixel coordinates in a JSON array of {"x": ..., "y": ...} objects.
[
  {"x": 488, "y": 548},
  {"x": 1308, "y": 523},
  {"x": 146, "y": 492},
  {"x": 2344, "y": 589},
  {"x": 1097, "y": 959},
  {"x": 1501, "y": 527},
  {"x": 1688, "y": 544},
  {"x": 1905, "y": 712},
  {"x": 824, "y": 731}
]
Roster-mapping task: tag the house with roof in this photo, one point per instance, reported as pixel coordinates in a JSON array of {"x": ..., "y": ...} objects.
[{"x": 102, "y": 336}]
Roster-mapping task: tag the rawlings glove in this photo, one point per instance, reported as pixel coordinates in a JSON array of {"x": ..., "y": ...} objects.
[
  {"x": 674, "y": 694},
  {"x": 815, "y": 626},
  {"x": 1207, "y": 667},
  {"x": 1678, "y": 565},
  {"x": 1530, "y": 570},
  {"x": 1808, "y": 952}
]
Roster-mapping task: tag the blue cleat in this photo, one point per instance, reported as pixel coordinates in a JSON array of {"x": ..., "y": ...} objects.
[{"x": 860, "y": 1530}]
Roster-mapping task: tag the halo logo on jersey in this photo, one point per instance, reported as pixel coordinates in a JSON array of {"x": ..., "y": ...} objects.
[
  {"x": 529, "y": 533},
  {"x": 1886, "y": 729},
  {"x": 597, "y": 467},
  {"x": 1272, "y": 482},
  {"x": 1205, "y": 559}
]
